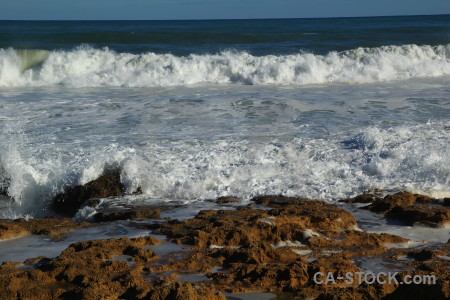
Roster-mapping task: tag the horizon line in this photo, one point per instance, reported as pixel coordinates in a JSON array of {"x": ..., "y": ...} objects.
[{"x": 220, "y": 19}]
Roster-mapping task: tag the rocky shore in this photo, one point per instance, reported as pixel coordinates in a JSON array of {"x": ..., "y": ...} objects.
[{"x": 274, "y": 244}]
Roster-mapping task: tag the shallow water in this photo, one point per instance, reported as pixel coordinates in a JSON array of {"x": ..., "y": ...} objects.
[
  {"x": 377, "y": 223},
  {"x": 22, "y": 248}
]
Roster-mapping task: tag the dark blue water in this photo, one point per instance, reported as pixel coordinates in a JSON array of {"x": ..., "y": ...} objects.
[{"x": 258, "y": 37}]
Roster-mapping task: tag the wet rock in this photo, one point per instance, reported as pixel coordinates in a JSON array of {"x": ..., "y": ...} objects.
[
  {"x": 362, "y": 292},
  {"x": 4, "y": 185},
  {"x": 337, "y": 264},
  {"x": 384, "y": 205},
  {"x": 433, "y": 216},
  {"x": 3, "y": 191},
  {"x": 105, "y": 186},
  {"x": 138, "y": 191},
  {"x": 275, "y": 250},
  {"x": 275, "y": 277},
  {"x": 228, "y": 199},
  {"x": 127, "y": 214},
  {"x": 85, "y": 270},
  {"x": 51, "y": 226},
  {"x": 277, "y": 200},
  {"x": 426, "y": 254},
  {"x": 250, "y": 226},
  {"x": 264, "y": 250},
  {"x": 412, "y": 209},
  {"x": 446, "y": 202},
  {"x": 363, "y": 198},
  {"x": 167, "y": 288},
  {"x": 434, "y": 289}
]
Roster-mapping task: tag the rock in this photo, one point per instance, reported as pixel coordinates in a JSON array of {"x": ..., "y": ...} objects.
[
  {"x": 4, "y": 185},
  {"x": 3, "y": 191},
  {"x": 105, "y": 186},
  {"x": 446, "y": 202},
  {"x": 274, "y": 250},
  {"x": 434, "y": 290},
  {"x": 51, "y": 226},
  {"x": 277, "y": 200},
  {"x": 412, "y": 209},
  {"x": 241, "y": 277},
  {"x": 228, "y": 199},
  {"x": 249, "y": 226},
  {"x": 401, "y": 199},
  {"x": 363, "y": 198},
  {"x": 85, "y": 270},
  {"x": 426, "y": 254},
  {"x": 167, "y": 288},
  {"x": 127, "y": 214},
  {"x": 433, "y": 216}
]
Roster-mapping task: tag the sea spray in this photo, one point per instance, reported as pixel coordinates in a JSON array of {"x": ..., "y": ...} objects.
[
  {"x": 391, "y": 159},
  {"x": 90, "y": 67}
]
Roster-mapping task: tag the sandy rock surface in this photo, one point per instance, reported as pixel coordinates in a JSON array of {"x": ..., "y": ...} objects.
[{"x": 279, "y": 248}]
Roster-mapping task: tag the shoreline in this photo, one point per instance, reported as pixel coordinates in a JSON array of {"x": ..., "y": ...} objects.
[{"x": 274, "y": 245}]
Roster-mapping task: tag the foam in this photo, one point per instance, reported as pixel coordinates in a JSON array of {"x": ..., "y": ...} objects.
[
  {"x": 86, "y": 66},
  {"x": 309, "y": 233},
  {"x": 302, "y": 252},
  {"x": 287, "y": 243},
  {"x": 187, "y": 172}
]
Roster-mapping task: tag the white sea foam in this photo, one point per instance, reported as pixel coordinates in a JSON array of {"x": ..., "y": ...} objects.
[
  {"x": 193, "y": 170},
  {"x": 188, "y": 144},
  {"x": 86, "y": 66},
  {"x": 302, "y": 252},
  {"x": 281, "y": 244}
]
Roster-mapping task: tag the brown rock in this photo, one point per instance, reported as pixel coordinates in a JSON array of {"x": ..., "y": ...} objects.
[
  {"x": 246, "y": 226},
  {"x": 85, "y": 270},
  {"x": 434, "y": 290},
  {"x": 433, "y": 216},
  {"x": 426, "y": 254},
  {"x": 401, "y": 199},
  {"x": 278, "y": 250},
  {"x": 127, "y": 214},
  {"x": 166, "y": 288},
  {"x": 105, "y": 186},
  {"x": 241, "y": 277},
  {"x": 51, "y": 226},
  {"x": 412, "y": 209},
  {"x": 337, "y": 264},
  {"x": 363, "y": 198},
  {"x": 277, "y": 200},
  {"x": 389, "y": 202},
  {"x": 228, "y": 199}
]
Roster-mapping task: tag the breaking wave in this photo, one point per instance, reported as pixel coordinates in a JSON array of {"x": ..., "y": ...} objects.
[{"x": 89, "y": 67}]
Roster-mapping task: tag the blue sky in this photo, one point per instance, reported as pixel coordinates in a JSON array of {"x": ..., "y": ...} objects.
[{"x": 212, "y": 9}]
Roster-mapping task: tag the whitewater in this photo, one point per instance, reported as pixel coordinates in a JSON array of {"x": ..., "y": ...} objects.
[
  {"x": 198, "y": 142},
  {"x": 89, "y": 67}
]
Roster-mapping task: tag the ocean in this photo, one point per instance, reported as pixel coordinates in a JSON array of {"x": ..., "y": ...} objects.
[{"x": 194, "y": 110}]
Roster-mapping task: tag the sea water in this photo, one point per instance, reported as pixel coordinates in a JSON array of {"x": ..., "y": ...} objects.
[{"x": 193, "y": 110}]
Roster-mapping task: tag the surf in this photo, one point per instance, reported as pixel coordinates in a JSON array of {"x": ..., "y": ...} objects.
[
  {"x": 89, "y": 67},
  {"x": 31, "y": 58}
]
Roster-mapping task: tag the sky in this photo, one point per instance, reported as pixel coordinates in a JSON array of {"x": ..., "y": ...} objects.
[{"x": 212, "y": 9}]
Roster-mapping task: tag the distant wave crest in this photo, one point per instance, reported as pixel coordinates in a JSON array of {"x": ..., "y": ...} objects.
[{"x": 86, "y": 66}]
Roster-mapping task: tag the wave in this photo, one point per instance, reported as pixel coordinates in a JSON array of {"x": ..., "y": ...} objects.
[
  {"x": 415, "y": 158},
  {"x": 89, "y": 67}
]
